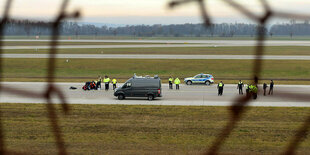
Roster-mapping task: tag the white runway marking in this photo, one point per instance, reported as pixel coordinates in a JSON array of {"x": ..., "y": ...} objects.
[{"x": 147, "y": 56}]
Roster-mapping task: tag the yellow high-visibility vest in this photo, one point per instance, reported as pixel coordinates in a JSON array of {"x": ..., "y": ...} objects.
[
  {"x": 177, "y": 81},
  {"x": 170, "y": 79},
  {"x": 114, "y": 81},
  {"x": 220, "y": 84},
  {"x": 106, "y": 80}
]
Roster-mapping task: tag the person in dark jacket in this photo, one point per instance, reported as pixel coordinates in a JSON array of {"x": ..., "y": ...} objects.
[
  {"x": 271, "y": 88},
  {"x": 264, "y": 88},
  {"x": 240, "y": 87},
  {"x": 99, "y": 82}
]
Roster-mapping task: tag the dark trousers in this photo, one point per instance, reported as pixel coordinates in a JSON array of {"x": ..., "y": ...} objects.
[
  {"x": 220, "y": 91},
  {"x": 106, "y": 86},
  {"x": 99, "y": 84},
  {"x": 264, "y": 91},
  {"x": 170, "y": 85},
  {"x": 271, "y": 91},
  {"x": 177, "y": 86},
  {"x": 114, "y": 86},
  {"x": 240, "y": 91}
]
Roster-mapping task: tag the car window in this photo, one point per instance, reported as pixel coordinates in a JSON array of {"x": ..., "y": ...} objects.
[
  {"x": 198, "y": 76},
  {"x": 205, "y": 76}
]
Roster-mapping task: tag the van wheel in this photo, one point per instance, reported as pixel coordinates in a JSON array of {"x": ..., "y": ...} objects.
[
  {"x": 150, "y": 97},
  {"x": 207, "y": 83},
  {"x": 189, "y": 82},
  {"x": 121, "y": 97}
]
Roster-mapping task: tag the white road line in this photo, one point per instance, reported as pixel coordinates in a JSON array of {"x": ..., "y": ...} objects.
[{"x": 146, "y": 56}]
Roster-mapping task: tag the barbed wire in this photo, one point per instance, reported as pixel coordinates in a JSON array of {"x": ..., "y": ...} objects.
[{"x": 238, "y": 107}]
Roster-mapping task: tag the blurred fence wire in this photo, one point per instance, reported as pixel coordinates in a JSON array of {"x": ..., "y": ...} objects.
[
  {"x": 51, "y": 89},
  {"x": 238, "y": 107}
]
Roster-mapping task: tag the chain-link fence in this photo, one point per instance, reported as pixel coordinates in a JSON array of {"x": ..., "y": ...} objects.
[{"x": 238, "y": 107}]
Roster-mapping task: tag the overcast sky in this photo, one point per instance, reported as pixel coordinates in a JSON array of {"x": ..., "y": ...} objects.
[{"x": 134, "y": 12}]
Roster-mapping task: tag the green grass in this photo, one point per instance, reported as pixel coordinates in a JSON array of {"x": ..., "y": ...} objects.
[
  {"x": 88, "y": 69},
  {"x": 122, "y": 129},
  {"x": 270, "y": 50},
  {"x": 162, "y": 37}
]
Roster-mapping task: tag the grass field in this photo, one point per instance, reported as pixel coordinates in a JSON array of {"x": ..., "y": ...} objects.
[
  {"x": 122, "y": 129},
  {"x": 270, "y": 50},
  {"x": 163, "y": 38},
  {"x": 79, "y": 70}
]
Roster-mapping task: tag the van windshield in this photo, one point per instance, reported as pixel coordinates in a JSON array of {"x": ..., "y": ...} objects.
[{"x": 127, "y": 84}]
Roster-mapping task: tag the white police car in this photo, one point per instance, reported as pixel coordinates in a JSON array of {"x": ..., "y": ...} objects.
[{"x": 200, "y": 78}]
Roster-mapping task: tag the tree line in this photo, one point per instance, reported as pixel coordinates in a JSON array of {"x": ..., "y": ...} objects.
[{"x": 37, "y": 28}]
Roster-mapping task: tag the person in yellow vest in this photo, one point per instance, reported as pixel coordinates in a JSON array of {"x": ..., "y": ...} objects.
[
  {"x": 253, "y": 90},
  {"x": 170, "y": 82},
  {"x": 114, "y": 81},
  {"x": 220, "y": 88},
  {"x": 106, "y": 81},
  {"x": 177, "y": 83}
]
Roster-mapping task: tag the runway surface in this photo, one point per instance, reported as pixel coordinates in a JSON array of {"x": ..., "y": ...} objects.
[
  {"x": 149, "y": 56},
  {"x": 193, "y": 95},
  {"x": 165, "y": 43}
]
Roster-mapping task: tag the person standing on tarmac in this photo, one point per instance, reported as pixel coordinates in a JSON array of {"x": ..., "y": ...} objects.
[
  {"x": 220, "y": 88},
  {"x": 96, "y": 85},
  {"x": 114, "y": 81},
  {"x": 99, "y": 82},
  {"x": 170, "y": 82},
  {"x": 106, "y": 81},
  {"x": 271, "y": 88},
  {"x": 264, "y": 88},
  {"x": 177, "y": 83},
  {"x": 240, "y": 87}
]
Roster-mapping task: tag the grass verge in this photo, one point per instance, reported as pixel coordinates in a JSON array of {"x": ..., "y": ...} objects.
[
  {"x": 88, "y": 69},
  {"x": 269, "y": 50},
  {"x": 93, "y": 37},
  {"x": 122, "y": 129}
]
